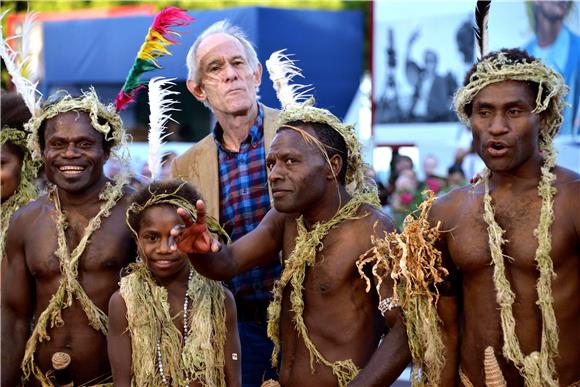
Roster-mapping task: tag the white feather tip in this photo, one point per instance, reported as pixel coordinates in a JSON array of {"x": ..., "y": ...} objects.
[
  {"x": 16, "y": 63},
  {"x": 282, "y": 70},
  {"x": 160, "y": 106}
]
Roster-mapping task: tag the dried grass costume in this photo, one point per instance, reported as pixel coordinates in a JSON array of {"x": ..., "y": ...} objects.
[
  {"x": 416, "y": 267},
  {"x": 106, "y": 120},
  {"x": 69, "y": 288},
  {"x": 197, "y": 354},
  {"x": 310, "y": 242},
  {"x": 538, "y": 367}
]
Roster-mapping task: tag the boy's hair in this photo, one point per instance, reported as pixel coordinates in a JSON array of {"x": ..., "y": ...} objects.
[
  {"x": 455, "y": 168},
  {"x": 14, "y": 112},
  {"x": 332, "y": 141},
  {"x": 170, "y": 190}
]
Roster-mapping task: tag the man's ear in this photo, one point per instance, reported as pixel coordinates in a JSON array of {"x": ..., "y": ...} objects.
[
  {"x": 196, "y": 90},
  {"x": 335, "y": 167},
  {"x": 107, "y": 146},
  {"x": 258, "y": 75},
  {"x": 543, "y": 123}
]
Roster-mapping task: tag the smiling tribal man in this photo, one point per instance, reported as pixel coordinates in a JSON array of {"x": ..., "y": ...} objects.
[{"x": 65, "y": 249}]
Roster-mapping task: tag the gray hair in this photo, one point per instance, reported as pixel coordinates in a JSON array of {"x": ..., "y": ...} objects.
[{"x": 220, "y": 27}]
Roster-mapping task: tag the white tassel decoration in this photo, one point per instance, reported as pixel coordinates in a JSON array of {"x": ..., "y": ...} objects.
[
  {"x": 16, "y": 65},
  {"x": 160, "y": 107},
  {"x": 27, "y": 28},
  {"x": 492, "y": 370},
  {"x": 282, "y": 70}
]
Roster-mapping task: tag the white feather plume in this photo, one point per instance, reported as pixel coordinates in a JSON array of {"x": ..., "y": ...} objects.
[
  {"x": 160, "y": 106},
  {"x": 16, "y": 65},
  {"x": 27, "y": 27},
  {"x": 282, "y": 70}
]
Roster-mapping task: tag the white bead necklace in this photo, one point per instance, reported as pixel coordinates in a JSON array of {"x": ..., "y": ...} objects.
[{"x": 185, "y": 333}]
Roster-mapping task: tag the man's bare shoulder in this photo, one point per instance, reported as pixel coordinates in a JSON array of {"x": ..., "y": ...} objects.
[
  {"x": 454, "y": 203},
  {"x": 567, "y": 179},
  {"x": 32, "y": 210},
  {"x": 568, "y": 191},
  {"x": 375, "y": 220},
  {"x": 279, "y": 220},
  {"x": 28, "y": 220}
]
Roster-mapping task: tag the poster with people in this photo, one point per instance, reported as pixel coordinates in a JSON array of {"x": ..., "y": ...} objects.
[{"x": 422, "y": 51}]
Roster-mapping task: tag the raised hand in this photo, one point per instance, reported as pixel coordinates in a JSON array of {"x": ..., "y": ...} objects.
[
  {"x": 414, "y": 36},
  {"x": 194, "y": 237}
]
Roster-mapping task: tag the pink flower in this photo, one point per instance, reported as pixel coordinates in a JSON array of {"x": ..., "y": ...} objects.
[
  {"x": 406, "y": 198},
  {"x": 433, "y": 184}
]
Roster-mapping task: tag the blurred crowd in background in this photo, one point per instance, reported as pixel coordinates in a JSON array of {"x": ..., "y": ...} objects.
[{"x": 403, "y": 191}]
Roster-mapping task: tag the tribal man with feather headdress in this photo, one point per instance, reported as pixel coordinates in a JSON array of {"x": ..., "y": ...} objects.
[
  {"x": 326, "y": 329},
  {"x": 64, "y": 251},
  {"x": 488, "y": 275}
]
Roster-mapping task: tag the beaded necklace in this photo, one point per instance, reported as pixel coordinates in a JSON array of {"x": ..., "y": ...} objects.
[{"x": 185, "y": 332}]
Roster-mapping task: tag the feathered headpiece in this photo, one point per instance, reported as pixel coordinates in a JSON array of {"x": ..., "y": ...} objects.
[
  {"x": 160, "y": 107},
  {"x": 159, "y": 36},
  {"x": 298, "y": 106},
  {"x": 104, "y": 119},
  {"x": 480, "y": 28},
  {"x": 17, "y": 63}
]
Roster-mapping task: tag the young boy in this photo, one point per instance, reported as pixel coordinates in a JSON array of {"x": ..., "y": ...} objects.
[{"x": 168, "y": 325}]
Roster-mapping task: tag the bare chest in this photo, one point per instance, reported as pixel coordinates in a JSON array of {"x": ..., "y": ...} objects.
[
  {"x": 108, "y": 248},
  {"x": 468, "y": 238},
  {"x": 333, "y": 269}
]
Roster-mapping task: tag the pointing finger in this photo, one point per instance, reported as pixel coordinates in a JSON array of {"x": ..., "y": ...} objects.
[
  {"x": 185, "y": 216},
  {"x": 200, "y": 207}
]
